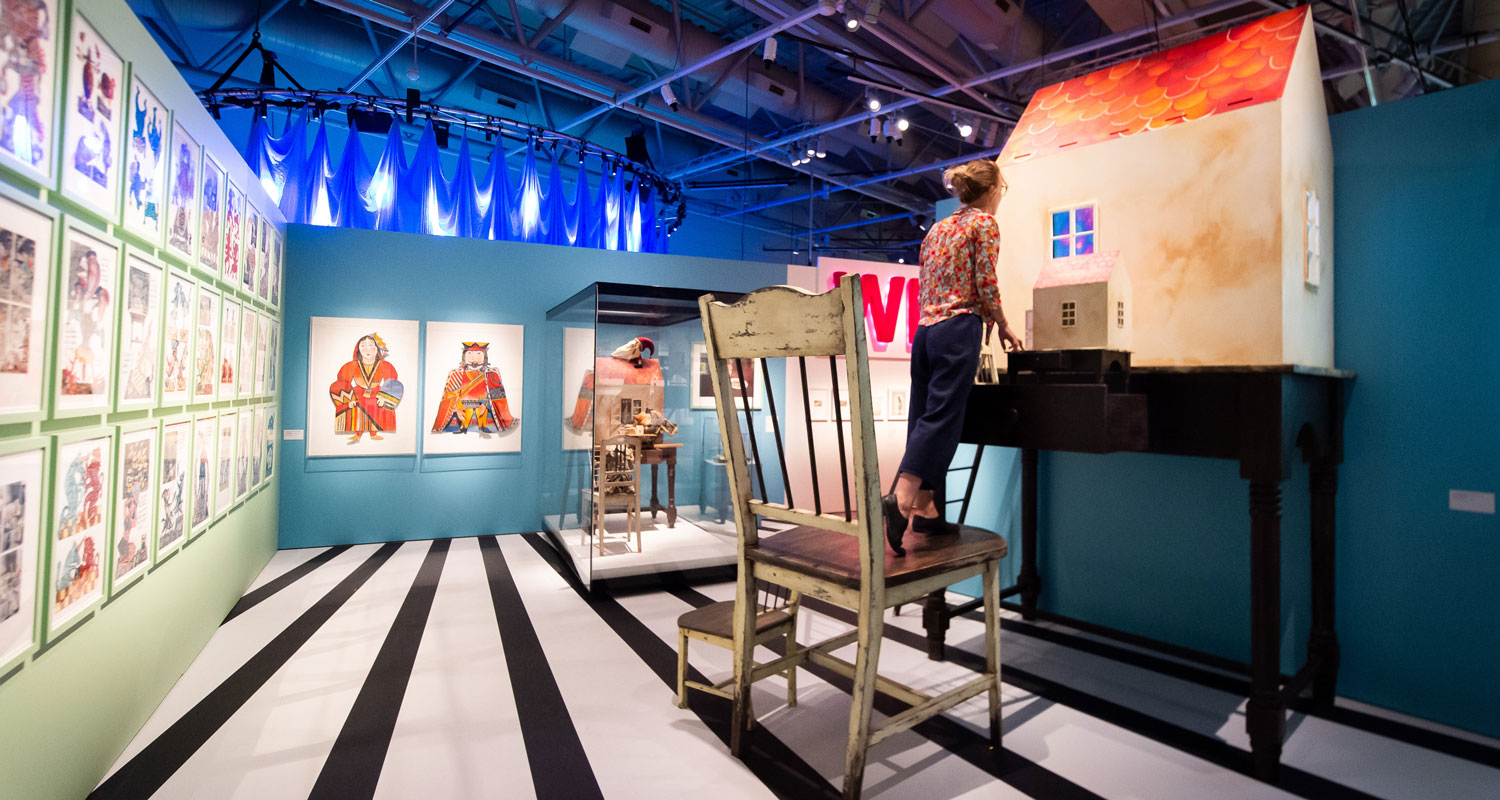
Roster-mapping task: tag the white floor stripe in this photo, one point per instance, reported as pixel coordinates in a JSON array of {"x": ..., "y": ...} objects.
[
  {"x": 639, "y": 743},
  {"x": 233, "y": 644},
  {"x": 282, "y": 562},
  {"x": 276, "y": 744},
  {"x": 458, "y": 735}
]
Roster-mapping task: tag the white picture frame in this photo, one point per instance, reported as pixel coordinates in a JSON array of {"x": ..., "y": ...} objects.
[
  {"x": 86, "y": 321},
  {"x": 143, "y": 205},
  {"x": 206, "y": 323},
  {"x": 896, "y": 404},
  {"x": 177, "y": 339},
  {"x": 578, "y": 389},
  {"x": 349, "y": 399},
  {"x": 702, "y": 390},
  {"x": 31, "y": 149},
  {"x": 79, "y": 529},
  {"x": 92, "y": 126},
  {"x": 224, "y": 468},
  {"x": 27, "y": 242},
  {"x": 173, "y": 485},
  {"x": 129, "y": 552},
  {"x": 182, "y": 196},
  {"x": 229, "y": 347},
  {"x": 23, "y": 496},
  {"x": 451, "y": 426},
  {"x": 211, "y": 191},
  {"x": 201, "y": 477}
]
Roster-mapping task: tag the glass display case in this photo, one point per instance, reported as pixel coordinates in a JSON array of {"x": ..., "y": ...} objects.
[{"x": 636, "y": 481}]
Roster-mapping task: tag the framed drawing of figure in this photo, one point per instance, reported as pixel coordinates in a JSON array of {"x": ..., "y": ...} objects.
[
  {"x": 271, "y": 354},
  {"x": 145, "y": 163},
  {"x": 234, "y": 210},
  {"x": 86, "y": 321},
  {"x": 201, "y": 475},
  {"x": 23, "y": 495},
  {"x": 211, "y": 217},
  {"x": 92, "y": 129},
  {"x": 176, "y": 465},
  {"x": 262, "y": 342},
  {"x": 270, "y": 448},
  {"x": 578, "y": 388},
  {"x": 28, "y": 98},
  {"x": 355, "y": 391},
  {"x": 263, "y": 284},
  {"x": 471, "y": 388},
  {"x": 135, "y": 504},
  {"x": 250, "y": 251},
  {"x": 258, "y": 449},
  {"x": 276, "y": 270},
  {"x": 244, "y": 439},
  {"x": 140, "y": 332},
  {"x": 205, "y": 348},
  {"x": 182, "y": 196},
  {"x": 177, "y": 353},
  {"x": 703, "y": 387},
  {"x": 248, "y": 330},
  {"x": 26, "y": 244},
  {"x": 224, "y": 466},
  {"x": 229, "y": 348},
  {"x": 80, "y": 528}
]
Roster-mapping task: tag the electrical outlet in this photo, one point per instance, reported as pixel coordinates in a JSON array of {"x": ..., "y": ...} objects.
[{"x": 1477, "y": 502}]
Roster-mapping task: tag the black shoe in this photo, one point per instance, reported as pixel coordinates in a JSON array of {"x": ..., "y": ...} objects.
[
  {"x": 936, "y": 526},
  {"x": 895, "y": 524}
]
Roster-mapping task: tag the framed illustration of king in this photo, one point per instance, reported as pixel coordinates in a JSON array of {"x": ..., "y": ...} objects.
[
  {"x": 356, "y": 395},
  {"x": 471, "y": 388}
]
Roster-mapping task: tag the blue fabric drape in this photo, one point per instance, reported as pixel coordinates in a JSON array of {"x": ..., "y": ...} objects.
[{"x": 344, "y": 190}]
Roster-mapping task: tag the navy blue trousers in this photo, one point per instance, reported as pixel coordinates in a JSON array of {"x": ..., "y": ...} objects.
[{"x": 944, "y": 360}]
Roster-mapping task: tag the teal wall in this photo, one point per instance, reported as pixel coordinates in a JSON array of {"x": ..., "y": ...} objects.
[
  {"x": 1159, "y": 545},
  {"x": 354, "y": 273}
]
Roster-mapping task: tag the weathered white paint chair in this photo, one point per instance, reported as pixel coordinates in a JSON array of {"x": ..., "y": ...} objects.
[
  {"x": 775, "y": 618},
  {"x": 617, "y": 485},
  {"x": 837, "y": 558}
]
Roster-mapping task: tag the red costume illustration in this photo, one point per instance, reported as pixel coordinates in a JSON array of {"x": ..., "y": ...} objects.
[
  {"x": 367, "y": 392},
  {"x": 473, "y": 396}
]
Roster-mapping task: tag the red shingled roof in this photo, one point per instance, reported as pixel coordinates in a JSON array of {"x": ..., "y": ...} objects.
[
  {"x": 1239, "y": 68},
  {"x": 1078, "y": 270}
]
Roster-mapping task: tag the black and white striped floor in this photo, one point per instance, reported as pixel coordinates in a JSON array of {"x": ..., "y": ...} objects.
[{"x": 472, "y": 668}]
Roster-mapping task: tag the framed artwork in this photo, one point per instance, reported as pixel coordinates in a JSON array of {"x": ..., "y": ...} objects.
[
  {"x": 703, "y": 386},
  {"x": 270, "y": 446},
  {"x": 206, "y": 349},
  {"x": 91, "y": 133},
  {"x": 140, "y": 331},
  {"x": 819, "y": 401},
  {"x": 145, "y": 163},
  {"x": 80, "y": 521},
  {"x": 29, "y": 96},
  {"x": 229, "y": 343},
  {"x": 895, "y": 405},
  {"x": 263, "y": 284},
  {"x": 26, "y": 242},
  {"x": 271, "y": 353},
  {"x": 234, "y": 209},
  {"x": 201, "y": 476},
  {"x": 86, "y": 321},
  {"x": 250, "y": 252},
  {"x": 176, "y": 464},
  {"x": 355, "y": 403},
  {"x": 182, "y": 198},
  {"x": 224, "y": 468},
  {"x": 244, "y": 440},
  {"x": 578, "y": 388},
  {"x": 23, "y": 467},
  {"x": 247, "y": 350},
  {"x": 135, "y": 521},
  {"x": 211, "y": 216},
  {"x": 877, "y": 406},
  {"x": 843, "y": 410},
  {"x": 471, "y": 388},
  {"x": 262, "y": 342},
  {"x": 177, "y": 353},
  {"x": 258, "y": 447},
  {"x": 276, "y": 270}
]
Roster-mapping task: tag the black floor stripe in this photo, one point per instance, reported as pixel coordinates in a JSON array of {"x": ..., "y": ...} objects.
[
  {"x": 284, "y": 580},
  {"x": 1014, "y": 770},
  {"x": 353, "y": 765},
  {"x": 1406, "y": 733},
  {"x": 779, "y": 769},
  {"x": 142, "y": 775},
  {"x": 1208, "y": 748},
  {"x": 560, "y": 768}
]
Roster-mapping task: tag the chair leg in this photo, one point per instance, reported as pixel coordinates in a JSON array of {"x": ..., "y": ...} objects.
[
  {"x": 744, "y": 649},
  {"x": 791, "y": 672},
  {"x": 992, "y": 645},
  {"x": 866, "y": 663},
  {"x": 682, "y": 662}
]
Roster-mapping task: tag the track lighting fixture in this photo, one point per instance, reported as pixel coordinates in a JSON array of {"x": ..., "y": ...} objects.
[
  {"x": 822, "y": 152},
  {"x": 902, "y": 123},
  {"x": 874, "y": 130},
  {"x": 851, "y": 22},
  {"x": 770, "y": 54},
  {"x": 827, "y": 7},
  {"x": 871, "y": 101},
  {"x": 872, "y": 12},
  {"x": 668, "y": 96},
  {"x": 965, "y": 128},
  {"x": 889, "y": 130},
  {"x": 812, "y": 147}
]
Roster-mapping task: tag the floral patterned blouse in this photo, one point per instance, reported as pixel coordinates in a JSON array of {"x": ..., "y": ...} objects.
[{"x": 958, "y": 267}]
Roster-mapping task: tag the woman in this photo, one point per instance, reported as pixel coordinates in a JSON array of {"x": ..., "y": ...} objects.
[
  {"x": 960, "y": 300},
  {"x": 367, "y": 392}
]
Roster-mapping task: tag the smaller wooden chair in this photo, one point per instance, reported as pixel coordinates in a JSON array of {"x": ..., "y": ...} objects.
[
  {"x": 617, "y": 484},
  {"x": 776, "y": 617}
]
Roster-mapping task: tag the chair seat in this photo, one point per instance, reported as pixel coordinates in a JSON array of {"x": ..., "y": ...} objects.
[
  {"x": 717, "y": 619},
  {"x": 834, "y": 556}
]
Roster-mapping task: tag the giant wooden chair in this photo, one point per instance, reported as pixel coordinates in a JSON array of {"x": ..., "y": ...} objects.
[{"x": 838, "y": 558}]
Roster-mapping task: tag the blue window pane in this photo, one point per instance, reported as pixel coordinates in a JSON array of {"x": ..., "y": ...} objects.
[
  {"x": 1060, "y": 223},
  {"x": 1083, "y": 245},
  {"x": 1060, "y": 248},
  {"x": 1083, "y": 219}
]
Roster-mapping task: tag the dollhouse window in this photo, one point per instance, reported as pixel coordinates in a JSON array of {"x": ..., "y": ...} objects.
[
  {"x": 1069, "y": 314},
  {"x": 1119, "y": 313},
  {"x": 1073, "y": 230}
]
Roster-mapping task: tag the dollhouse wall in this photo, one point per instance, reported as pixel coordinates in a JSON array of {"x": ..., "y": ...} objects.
[{"x": 1306, "y": 162}]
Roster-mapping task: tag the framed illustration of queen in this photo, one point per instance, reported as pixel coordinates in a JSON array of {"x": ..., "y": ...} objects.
[
  {"x": 92, "y": 110},
  {"x": 357, "y": 403}
]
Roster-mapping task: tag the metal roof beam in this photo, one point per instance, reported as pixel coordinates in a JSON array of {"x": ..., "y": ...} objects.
[{"x": 401, "y": 41}]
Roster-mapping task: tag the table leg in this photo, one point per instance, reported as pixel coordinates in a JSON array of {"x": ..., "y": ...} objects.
[
  {"x": 655, "y": 504},
  {"x": 1322, "y": 640},
  {"x": 672, "y": 492},
  {"x": 935, "y": 622},
  {"x": 1265, "y": 719},
  {"x": 1029, "y": 579}
]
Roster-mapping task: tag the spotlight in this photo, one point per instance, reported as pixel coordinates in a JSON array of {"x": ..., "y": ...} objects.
[
  {"x": 901, "y": 261},
  {"x": 874, "y": 130},
  {"x": 902, "y": 124},
  {"x": 920, "y": 220},
  {"x": 668, "y": 96},
  {"x": 871, "y": 101},
  {"x": 770, "y": 55},
  {"x": 822, "y": 151},
  {"x": 827, "y": 7},
  {"x": 889, "y": 131},
  {"x": 851, "y": 22},
  {"x": 872, "y": 12},
  {"x": 965, "y": 129},
  {"x": 812, "y": 148}
]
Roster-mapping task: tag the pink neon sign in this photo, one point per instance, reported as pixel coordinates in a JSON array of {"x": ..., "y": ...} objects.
[{"x": 883, "y": 308}]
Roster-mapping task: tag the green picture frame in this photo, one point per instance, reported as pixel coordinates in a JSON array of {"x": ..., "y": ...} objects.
[
  {"x": 130, "y": 323},
  {"x": 130, "y": 435},
  {"x": 10, "y": 164},
  {"x": 202, "y": 453},
  {"x": 27, "y": 644},
  {"x": 32, "y": 392},
  {"x": 174, "y": 502},
  {"x": 125, "y": 229},
  {"x": 224, "y": 462},
  {"x": 205, "y": 289},
  {"x": 80, "y": 315},
  {"x": 81, "y": 511},
  {"x": 91, "y": 203}
]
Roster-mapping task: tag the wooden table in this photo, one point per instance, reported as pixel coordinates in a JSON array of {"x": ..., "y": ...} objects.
[
  {"x": 655, "y": 455},
  {"x": 1258, "y": 416}
]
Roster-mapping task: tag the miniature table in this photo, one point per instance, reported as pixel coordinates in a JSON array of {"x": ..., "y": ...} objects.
[
  {"x": 1255, "y": 415},
  {"x": 655, "y": 455}
]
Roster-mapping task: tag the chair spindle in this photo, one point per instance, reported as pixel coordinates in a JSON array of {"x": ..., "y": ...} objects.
[
  {"x": 739, "y": 369},
  {"x": 812, "y": 449},
  {"x": 786, "y": 478},
  {"x": 838, "y": 417}
]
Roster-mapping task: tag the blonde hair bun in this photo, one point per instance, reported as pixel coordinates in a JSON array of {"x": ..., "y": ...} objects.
[{"x": 973, "y": 180}]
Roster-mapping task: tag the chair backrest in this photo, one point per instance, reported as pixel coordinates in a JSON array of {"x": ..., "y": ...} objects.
[
  {"x": 617, "y": 460},
  {"x": 782, "y": 322}
]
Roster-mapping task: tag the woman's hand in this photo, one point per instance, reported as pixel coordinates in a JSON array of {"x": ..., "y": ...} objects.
[{"x": 1008, "y": 340}]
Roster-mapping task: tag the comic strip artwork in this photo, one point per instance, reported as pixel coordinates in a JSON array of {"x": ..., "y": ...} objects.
[
  {"x": 76, "y": 578},
  {"x": 25, "y": 245},
  {"x": 204, "y": 431},
  {"x": 358, "y": 407},
  {"x": 229, "y": 338},
  {"x": 250, "y": 253},
  {"x": 176, "y": 463},
  {"x": 234, "y": 208},
  {"x": 20, "y": 539},
  {"x": 258, "y": 449},
  {"x": 246, "y": 440},
  {"x": 271, "y": 353},
  {"x": 210, "y": 216},
  {"x": 248, "y": 329},
  {"x": 145, "y": 167},
  {"x": 276, "y": 272},
  {"x": 263, "y": 285},
  {"x": 137, "y": 505},
  {"x": 27, "y": 48},
  {"x": 84, "y": 353},
  {"x": 91, "y": 172},
  {"x": 182, "y": 201},
  {"x": 262, "y": 343},
  {"x": 206, "y": 359},
  {"x": 177, "y": 357},
  {"x": 224, "y": 471},
  {"x": 270, "y": 441},
  {"x": 141, "y": 328}
]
